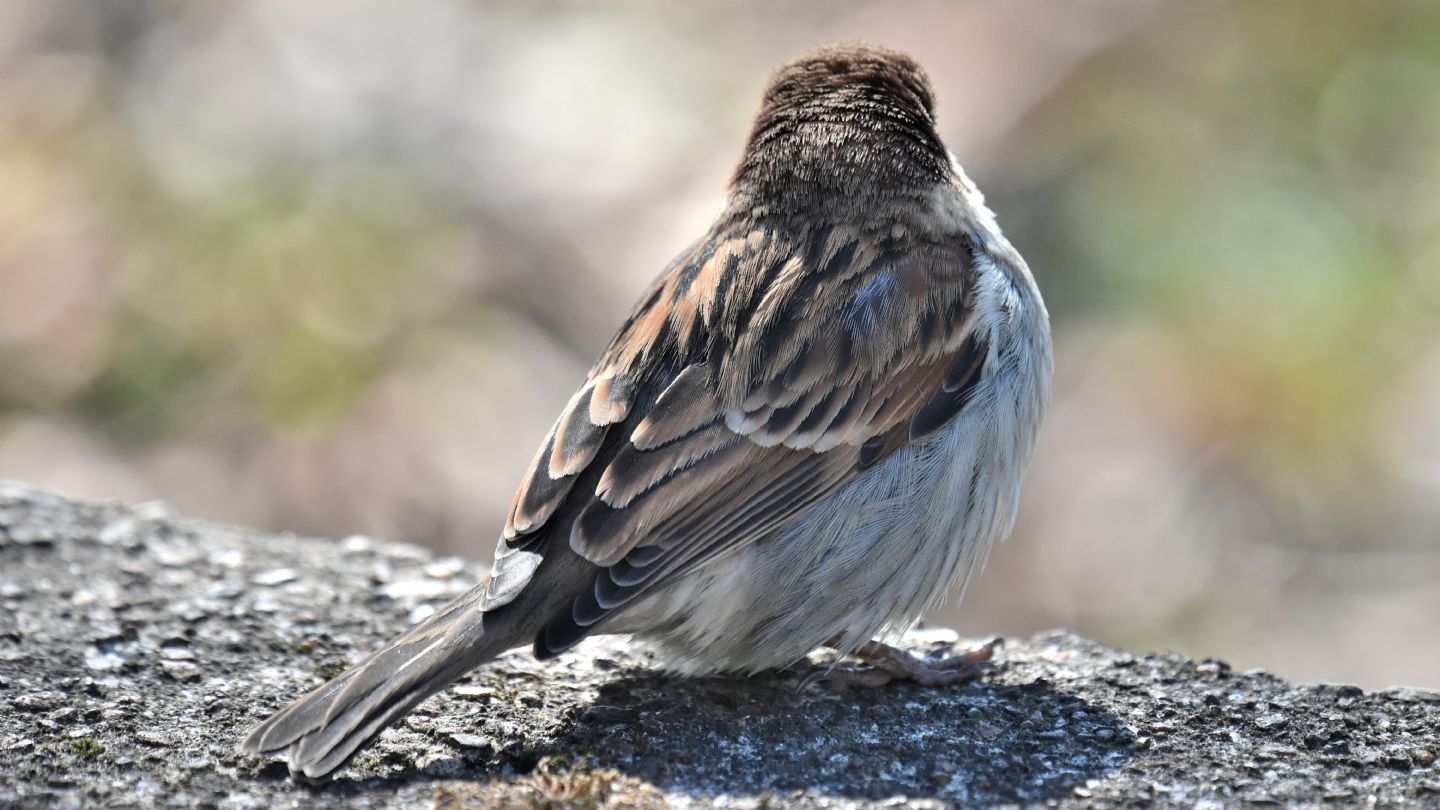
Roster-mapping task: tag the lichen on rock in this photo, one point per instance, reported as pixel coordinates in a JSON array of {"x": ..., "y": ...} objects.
[{"x": 136, "y": 647}]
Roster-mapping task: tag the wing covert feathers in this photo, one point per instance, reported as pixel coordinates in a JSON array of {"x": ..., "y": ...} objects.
[{"x": 758, "y": 374}]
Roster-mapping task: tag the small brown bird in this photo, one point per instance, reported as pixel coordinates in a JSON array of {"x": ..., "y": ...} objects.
[{"x": 813, "y": 424}]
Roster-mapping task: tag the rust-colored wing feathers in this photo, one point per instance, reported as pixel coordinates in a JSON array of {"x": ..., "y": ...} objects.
[
  {"x": 757, "y": 375},
  {"x": 684, "y": 406}
]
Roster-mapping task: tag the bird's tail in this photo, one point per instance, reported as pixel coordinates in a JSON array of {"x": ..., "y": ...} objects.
[{"x": 327, "y": 727}]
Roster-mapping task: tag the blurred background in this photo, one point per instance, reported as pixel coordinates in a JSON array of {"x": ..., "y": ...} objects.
[{"x": 334, "y": 267}]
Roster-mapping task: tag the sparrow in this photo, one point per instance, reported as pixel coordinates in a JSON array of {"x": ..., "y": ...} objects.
[{"x": 812, "y": 425}]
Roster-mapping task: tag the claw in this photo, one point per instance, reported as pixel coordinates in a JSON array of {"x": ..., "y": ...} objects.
[{"x": 889, "y": 663}]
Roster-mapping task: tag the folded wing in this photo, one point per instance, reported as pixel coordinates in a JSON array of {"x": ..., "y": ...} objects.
[{"x": 758, "y": 375}]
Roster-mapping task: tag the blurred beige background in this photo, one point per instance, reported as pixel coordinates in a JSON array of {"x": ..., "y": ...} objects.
[{"x": 333, "y": 267}]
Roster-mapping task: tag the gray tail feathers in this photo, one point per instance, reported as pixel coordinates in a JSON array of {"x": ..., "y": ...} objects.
[{"x": 327, "y": 727}]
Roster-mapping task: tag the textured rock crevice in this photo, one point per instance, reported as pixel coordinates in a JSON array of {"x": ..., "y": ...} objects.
[{"x": 136, "y": 647}]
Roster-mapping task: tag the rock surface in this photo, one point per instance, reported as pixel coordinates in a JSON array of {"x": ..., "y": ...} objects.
[{"x": 137, "y": 647}]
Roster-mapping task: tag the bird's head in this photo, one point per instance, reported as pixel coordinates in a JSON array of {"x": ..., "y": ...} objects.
[{"x": 844, "y": 122}]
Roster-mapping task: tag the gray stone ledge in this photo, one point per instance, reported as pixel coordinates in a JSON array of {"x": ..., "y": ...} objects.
[{"x": 136, "y": 646}]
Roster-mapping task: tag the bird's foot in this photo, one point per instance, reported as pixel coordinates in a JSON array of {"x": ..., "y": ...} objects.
[{"x": 887, "y": 663}]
